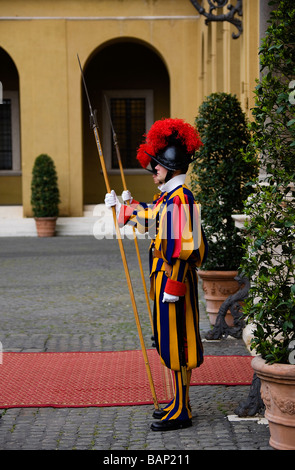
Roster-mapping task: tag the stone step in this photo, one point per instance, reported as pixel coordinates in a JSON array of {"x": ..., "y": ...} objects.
[{"x": 97, "y": 221}]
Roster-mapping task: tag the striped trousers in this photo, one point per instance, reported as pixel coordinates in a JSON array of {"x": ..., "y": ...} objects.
[{"x": 177, "y": 339}]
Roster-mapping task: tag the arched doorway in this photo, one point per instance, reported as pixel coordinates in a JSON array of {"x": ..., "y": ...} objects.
[
  {"x": 130, "y": 81},
  {"x": 10, "y": 156}
]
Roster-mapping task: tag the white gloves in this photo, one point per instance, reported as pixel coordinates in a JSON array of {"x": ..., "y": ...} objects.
[
  {"x": 111, "y": 200},
  {"x": 126, "y": 196},
  {"x": 169, "y": 298}
]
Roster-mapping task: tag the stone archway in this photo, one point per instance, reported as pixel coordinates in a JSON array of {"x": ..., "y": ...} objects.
[
  {"x": 10, "y": 156},
  {"x": 136, "y": 83}
]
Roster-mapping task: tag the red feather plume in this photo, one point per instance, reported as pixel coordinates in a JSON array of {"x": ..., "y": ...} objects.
[
  {"x": 159, "y": 133},
  {"x": 159, "y": 137},
  {"x": 142, "y": 154}
]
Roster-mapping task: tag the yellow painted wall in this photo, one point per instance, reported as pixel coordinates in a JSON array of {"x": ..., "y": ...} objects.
[
  {"x": 10, "y": 190},
  {"x": 231, "y": 65},
  {"x": 45, "y": 54}
]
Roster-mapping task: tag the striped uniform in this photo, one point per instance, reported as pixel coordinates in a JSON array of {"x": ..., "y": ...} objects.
[{"x": 178, "y": 246}]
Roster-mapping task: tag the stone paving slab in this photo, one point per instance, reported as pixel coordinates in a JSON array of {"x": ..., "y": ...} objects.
[{"x": 70, "y": 294}]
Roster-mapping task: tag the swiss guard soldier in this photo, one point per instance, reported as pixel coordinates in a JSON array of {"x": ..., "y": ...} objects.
[{"x": 178, "y": 246}]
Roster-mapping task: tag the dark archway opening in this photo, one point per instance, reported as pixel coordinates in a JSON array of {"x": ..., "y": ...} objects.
[{"x": 135, "y": 81}]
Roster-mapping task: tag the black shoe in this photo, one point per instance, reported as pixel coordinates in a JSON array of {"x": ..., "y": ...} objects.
[
  {"x": 159, "y": 414},
  {"x": 171, "y": 424}
]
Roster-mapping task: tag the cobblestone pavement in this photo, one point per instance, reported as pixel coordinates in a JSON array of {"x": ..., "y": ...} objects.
[{"x": 70, "y": 294}]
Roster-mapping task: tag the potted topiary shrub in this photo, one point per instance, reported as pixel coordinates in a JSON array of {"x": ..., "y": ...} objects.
[
  {"x": 44, "y": 195},
  {"x": 219, "y": 181},
  {"x": 269, "y": 259}
]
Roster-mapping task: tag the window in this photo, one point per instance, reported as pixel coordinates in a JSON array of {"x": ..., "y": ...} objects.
[
  {"x": 131, "y": 113},
  {"x": 9, "y": 134},
  {"x": 5, "y": 135}
]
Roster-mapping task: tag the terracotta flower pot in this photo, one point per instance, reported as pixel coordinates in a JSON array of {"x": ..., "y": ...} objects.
[
  {"x": 217, "y": 286},
  {"x": 278, "y": 395},
  {"x": 45, "y": 226}
]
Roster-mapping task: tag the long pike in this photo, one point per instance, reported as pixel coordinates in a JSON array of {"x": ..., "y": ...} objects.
[{"x": 94, "y": 126}]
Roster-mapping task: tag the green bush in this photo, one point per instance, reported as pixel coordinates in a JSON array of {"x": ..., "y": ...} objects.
[
  {"x": 269, "y": 259},
  {"x": 44, "y": 188},
  {"x": 220, "y": 175}
]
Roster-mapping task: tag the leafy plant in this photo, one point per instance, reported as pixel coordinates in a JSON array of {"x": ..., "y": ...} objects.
[
  {"x": 269, "y": 259},
  {"x": 220, "y": 175},
  {"x": 44, "y": 188}
]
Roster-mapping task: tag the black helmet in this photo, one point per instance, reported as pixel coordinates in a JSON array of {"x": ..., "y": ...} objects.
[{"x": 173, "y": 157}]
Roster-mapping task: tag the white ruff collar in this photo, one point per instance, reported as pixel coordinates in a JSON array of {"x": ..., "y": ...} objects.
[{"x": 173, "y": 183}]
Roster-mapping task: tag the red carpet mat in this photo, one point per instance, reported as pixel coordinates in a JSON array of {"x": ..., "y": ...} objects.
[
  {"x": 224, "y": 370},
  {"x": 84, "y": 379}
]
